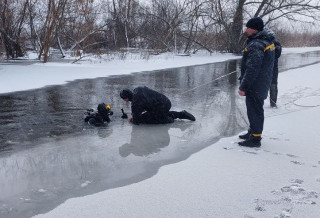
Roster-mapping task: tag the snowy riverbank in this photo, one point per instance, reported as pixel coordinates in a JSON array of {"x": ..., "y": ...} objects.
[
  {"x": 281, "y": 179},
  {"x": 24, "y": 77}
]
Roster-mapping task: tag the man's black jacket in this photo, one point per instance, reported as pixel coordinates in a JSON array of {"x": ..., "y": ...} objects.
[
  {"x": 146, "y": 99},
  {"x": 257, "y": 65}
]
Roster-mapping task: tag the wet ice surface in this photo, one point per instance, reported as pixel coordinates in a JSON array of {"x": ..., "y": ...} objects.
[{"x": 48, "y": 153}]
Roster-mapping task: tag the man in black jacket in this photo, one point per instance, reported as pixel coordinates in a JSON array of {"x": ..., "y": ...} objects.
[
  {"x": 151, "y": 107},
  {"x": 274, "y": 83},
  {"x": 256, "y": 75}
]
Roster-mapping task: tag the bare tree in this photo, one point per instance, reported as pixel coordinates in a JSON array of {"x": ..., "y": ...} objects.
[
  {"x": 80, "y": 24},
  {"x": 12, "y": 18},
  {"x": 291, "y": 10},
  {"x": 165, "y": 21},
  {"x": 193, "y": 27},
  {"x": 124, "y": 17},
  {"x": 33, "y": 34},
  {"x": 162, "y": 25},
  {"x": 54, "y": 11},
  {"x": 232, "y": 18}
]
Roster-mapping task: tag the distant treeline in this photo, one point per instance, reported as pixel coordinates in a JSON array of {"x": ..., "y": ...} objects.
[
  {"x": 298, "y": 39},
  {"x": 184, "y": 26}
]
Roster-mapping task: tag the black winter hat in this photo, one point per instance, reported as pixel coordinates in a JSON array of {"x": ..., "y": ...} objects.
[
  {"x": 126, "y": 93},
  {"x": 255, "y": 23}
]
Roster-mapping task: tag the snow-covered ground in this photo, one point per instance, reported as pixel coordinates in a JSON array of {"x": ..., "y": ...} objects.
[{"x": 280, "y": 179}]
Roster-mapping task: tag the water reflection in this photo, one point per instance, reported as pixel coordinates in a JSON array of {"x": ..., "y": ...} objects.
[
  {"x": 292, "y": 61},
  {"x": 145, "y": 141}
]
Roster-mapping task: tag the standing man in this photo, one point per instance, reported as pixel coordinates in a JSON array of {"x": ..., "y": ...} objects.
[
  {"x": 274, "y": 83},
  {"x": 151, "y": 107},
  {"x": 255, "y": 80}
]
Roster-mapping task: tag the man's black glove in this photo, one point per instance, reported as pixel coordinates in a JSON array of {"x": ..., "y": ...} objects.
[{"x": 124, "y": 115}]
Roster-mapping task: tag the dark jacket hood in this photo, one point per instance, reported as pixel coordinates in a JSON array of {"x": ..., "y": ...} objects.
[{"x": 264, "y": 35}]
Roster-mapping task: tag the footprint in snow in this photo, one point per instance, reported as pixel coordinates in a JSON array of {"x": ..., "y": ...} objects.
[
  {"x": 294, "y": 189},
  {"x": 291, "y": 155},
  {"x": 288, "y": 196},
  {"x": 297, "y": 162},
  {"x": 260, "y": 208},
  {"x": 296, "y": 194},
  {"x": 248, "y": 152},
  {"x": 298, "y": 181},
  {"x": 228, "y": 148},
  {"x": 286, "y": 213},
  {"x": 273, "y": 138},
  {"x": 239, "y": 149}
]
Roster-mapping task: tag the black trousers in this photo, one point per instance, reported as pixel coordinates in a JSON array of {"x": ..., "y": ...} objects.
[
  {"x": 255, "y": 113},
  {"x": 275, "y": 72},
  {"x": 158, "y": 115},
  {"x": 274, "y": 83}
]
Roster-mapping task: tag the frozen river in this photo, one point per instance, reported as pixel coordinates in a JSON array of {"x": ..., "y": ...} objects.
[{"x": 48, "y": 154}]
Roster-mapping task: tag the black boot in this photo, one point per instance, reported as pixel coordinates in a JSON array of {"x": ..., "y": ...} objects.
[
  {"x": 186, "y": 115},
  {"x": 273, "y": 105},
  {"x": 252, "y": 142},
  {"x": 273, "y": 95},
  {"x": 245, "y": 136}
]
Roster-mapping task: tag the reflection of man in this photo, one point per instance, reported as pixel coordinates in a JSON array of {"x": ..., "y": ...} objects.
[
  {"x": 256, "y": 75},
  {"x": 146, "y": 140},
  {"x": 151, "y": 107}
]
